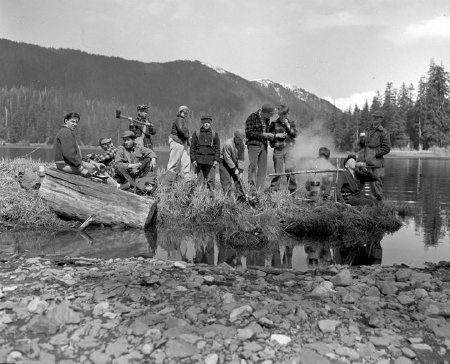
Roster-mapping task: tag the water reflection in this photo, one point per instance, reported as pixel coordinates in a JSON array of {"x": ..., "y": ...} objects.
[{"x": 190, "y": 245}]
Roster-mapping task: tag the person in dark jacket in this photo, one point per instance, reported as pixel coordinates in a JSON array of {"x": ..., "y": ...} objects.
[
  {"x": 205, "y": 153},
  {"x": 257, "y": 134},
  {"x": 143, "y": 132},
  {"x": 350, "y": 183},
  {"x": 375, "y": 145},
  {"x": 179, "y": 144},
  {"x": 135, "y": 165},
  {"x": 232, "y": 164},
  {"x": 67, "y": 152},
  {"x": 284, "y": 133}
]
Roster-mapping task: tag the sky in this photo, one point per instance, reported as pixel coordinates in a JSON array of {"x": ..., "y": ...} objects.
[{"x": 341, "y": 50}]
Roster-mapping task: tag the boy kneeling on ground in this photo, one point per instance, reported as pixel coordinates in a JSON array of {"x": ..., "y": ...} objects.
[{"x": 135, "y": 165}]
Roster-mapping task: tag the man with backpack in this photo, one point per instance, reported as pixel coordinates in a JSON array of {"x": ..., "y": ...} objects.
[{"x": 205, "y": 153}]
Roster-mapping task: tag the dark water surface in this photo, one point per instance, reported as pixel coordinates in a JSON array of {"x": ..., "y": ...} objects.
[{"x": 423, "y": 183}]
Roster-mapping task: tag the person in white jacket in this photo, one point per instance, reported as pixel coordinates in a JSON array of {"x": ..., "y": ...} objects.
[{"x": 231, "y": 164}]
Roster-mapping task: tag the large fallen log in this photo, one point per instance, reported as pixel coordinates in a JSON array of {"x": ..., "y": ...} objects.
[{"x": 78, "y": 198}]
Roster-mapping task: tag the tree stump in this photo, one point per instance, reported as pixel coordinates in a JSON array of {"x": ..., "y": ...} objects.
[{"x": 77, "y": 198}]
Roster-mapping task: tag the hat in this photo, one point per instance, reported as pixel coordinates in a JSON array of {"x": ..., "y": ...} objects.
[
  {"x": 128, "y": 134},
  {"x": 206, "y": 117},
  {"x": 283, "y": 109},
  {"x": 71, "y": 115},
  {"x": 325, "y": 152},
  {"x": 182, "y": 108},
  {"x": 378, "y": 114},
  {"x": 350, "y": 156},
  {"x": 104, "y": 140},
  {"x": 239, "y": 134},
  {"x": 142, "y": 107},
  {"x": 266, "y": 108}
]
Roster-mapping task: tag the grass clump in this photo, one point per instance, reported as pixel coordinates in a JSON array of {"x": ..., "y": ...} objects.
[{"x": 21, "y": 209}]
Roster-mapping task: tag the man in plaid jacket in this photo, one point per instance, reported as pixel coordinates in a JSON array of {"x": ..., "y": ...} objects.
[
  {"x": 256, "y": 132},
  {"x": 284, "y": 133}
]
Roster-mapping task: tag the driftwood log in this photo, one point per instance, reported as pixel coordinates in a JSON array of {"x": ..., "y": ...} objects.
[{"x": 78, "y": 198}]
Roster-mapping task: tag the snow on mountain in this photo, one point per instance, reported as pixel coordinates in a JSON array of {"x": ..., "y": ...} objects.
[
  {"x": 215, "y": 68},
  {"x": 264, "y": 82}
]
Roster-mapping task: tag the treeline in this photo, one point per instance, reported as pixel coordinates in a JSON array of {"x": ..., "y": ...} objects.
[
  {"x": 415, "y": 119},
  {"x": 28, "y": 115}
]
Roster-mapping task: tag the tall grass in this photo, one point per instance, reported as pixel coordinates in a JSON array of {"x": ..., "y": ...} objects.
[{"x": 185, "y": 205}]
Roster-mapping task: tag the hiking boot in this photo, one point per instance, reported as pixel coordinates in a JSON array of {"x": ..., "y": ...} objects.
[{"x": 125, "y": 186}]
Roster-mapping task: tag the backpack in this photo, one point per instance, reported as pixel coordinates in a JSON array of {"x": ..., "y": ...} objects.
[{"x": 197, "y": 133}]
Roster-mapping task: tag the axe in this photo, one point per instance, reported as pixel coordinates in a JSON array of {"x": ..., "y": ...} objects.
[{"x": 120, "y": 116}]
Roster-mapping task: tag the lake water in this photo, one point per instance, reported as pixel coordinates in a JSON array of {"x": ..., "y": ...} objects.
[{"x": 423, "y": 183}]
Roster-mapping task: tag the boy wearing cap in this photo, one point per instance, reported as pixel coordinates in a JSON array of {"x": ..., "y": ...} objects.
[
  {"x": 284, "y": 133},
  {"x": 135, "y": 165},
  {"x": 375, "y": 145},
  {"x": 143, "y": 132},
  {"x": 232, "y": 163},
  {"x": 257, "y": 134},
  {"x": 205, "y": 153},
  {"x": 179, "y": 144}
]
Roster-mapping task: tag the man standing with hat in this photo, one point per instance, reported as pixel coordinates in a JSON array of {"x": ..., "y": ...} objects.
[
  {"x": 135, "y": 165},
  {"x": 375, "y": 145},
  {"x": 143, "y": 132},
  {"x": 284, "y": 133},
  {"x": 179, "y": 144},
  {"x": 257, "y": 134},
  {"x": 205, "y": 153}
]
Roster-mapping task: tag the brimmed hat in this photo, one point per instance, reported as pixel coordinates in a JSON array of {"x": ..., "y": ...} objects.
[
  {"x": 128, "y": 134},
  {"x": 378, "y": 114},
  {"x": 206, "y": 117},
  {"x": 142, "y": 107},
  {"x": 266, "y": 108},
  {"x": 350, "y": 156},
  {"x": 104, "y": 140}
]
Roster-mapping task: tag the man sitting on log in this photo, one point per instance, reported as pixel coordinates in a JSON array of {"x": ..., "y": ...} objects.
[
  {"x": 68, "y": 155},
  {"x": 107, "y": 157},
  {"x": 135, "y": 165}
]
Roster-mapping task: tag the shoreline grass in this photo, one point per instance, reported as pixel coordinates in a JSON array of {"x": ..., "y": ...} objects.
[{"x": 186, "y": 204}]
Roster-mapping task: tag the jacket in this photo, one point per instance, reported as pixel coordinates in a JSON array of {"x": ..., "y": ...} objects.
[
  {"x": 180, "y": 132},
  {"x": 66, "y": 148},
  {"x": 277, "y": 127},
  {"x": 254, "y": 129},
  {"x": 231, "y": 156},
  {"x": 377, "y": 145},
  {"x": 137, "y": 129},
  {"x": 124, "y": 156},
  {"x": 205, "y": 147},
  {"x": 347, "y": 185}
]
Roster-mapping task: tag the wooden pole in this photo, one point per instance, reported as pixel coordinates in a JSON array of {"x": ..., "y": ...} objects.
[
  {"x": 85, "y": 224},
  {"x": 307, "y": 171}
]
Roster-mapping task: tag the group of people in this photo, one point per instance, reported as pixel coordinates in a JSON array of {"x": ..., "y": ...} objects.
[{"x": 132, "y": 165}]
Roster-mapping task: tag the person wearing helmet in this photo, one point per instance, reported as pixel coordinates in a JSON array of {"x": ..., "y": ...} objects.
[
  {"x": 179, "y": 144},
  {"x": 143, "y": 132}
]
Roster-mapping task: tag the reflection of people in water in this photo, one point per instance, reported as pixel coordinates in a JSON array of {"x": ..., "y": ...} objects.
[
  {"x": 367, "y": 253},
  {"x": 317, "y": 253}
]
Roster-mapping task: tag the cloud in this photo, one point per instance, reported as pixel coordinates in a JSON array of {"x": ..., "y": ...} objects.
[
  {"x": 359, "y": 99},
  {"x": 438, "y": 27}
]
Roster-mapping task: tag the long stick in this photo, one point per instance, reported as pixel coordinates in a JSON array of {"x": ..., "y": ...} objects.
[
  {"x": 306, "y": 172},
  {"x": 88, "y": 221}
]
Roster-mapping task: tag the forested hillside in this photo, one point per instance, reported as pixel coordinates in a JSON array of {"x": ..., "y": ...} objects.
[{"x": 38, "y": 85}]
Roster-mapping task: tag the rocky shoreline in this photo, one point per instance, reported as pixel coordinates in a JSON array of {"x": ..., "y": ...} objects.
[{"x": 78, "y": 310}]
